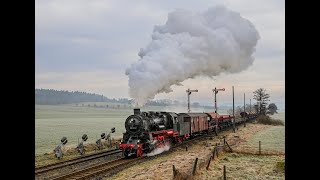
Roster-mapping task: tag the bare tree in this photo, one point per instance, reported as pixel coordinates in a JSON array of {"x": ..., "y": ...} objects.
[
  {"x": 256, "y": 108},
  {"x": 262, "y": 99}
]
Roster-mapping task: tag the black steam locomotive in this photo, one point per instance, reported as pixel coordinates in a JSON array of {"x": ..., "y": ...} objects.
[{"x": 145, "y": 131}]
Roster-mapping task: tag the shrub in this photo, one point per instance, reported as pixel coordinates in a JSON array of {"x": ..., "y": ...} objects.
[
  {"x": 263, "y": 119},
  {"x": 281, "y": 165}
]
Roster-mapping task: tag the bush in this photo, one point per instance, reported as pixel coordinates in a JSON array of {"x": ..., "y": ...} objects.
[
  {"x": 263, "y": 119},
  {"x": 280, "y": 166}
]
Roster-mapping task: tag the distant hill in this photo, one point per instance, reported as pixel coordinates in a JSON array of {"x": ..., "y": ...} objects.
[{"x": 53, "y": 97}]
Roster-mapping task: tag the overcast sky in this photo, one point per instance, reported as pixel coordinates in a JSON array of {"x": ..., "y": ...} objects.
[{"x": 86, "y": 45}]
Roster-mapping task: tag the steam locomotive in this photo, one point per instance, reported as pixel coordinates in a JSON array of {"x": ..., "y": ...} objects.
[{"x": 146, "y": 131}]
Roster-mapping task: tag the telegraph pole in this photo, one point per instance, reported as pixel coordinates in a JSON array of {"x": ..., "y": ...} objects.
[
  {"x": 244, "y": 108},
  {"x": 215, "y": 91},
  {"x": 250, "y": 106},
  {"x": 234, "y": 128},
  {"x": 188, "y": 93}
]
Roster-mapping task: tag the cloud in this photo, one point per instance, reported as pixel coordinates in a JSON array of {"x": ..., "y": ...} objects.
[
  {"x": 108, "y": 83},
  {"x": 259, "y": 75},
  {"x": 97, "y": 40}
]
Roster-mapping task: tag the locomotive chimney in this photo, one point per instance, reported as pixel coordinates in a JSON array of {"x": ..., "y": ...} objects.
[{"x": 136, "y": 111}]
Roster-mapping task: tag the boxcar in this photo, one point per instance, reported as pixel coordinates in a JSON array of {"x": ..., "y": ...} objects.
[{"x": 192, "y": 123}]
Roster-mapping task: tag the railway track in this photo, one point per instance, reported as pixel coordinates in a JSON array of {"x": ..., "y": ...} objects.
[
  {"x": 98, "y": 169},
  {"x": 114, "y": 166},
  {"x": 50, "y": 167}
]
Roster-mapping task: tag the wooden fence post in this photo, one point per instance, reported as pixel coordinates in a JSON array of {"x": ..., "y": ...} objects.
[
  {"x": 228, "y": 146},
  {"x": 259, "y": 147},
  {"x": 217, "y": 152},
  {"x": 174, "y": 171},
  {"x": 209, "y": 163},
  {"x": 214, "y": 152},
  {"x": 195, "y": 167}
]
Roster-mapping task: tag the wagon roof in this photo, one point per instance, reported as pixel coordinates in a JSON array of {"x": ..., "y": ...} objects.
[
  {"x": 193, "y": 114},
  {"x": 172, "y": 114},
  {"x": 214, "y": 115}
]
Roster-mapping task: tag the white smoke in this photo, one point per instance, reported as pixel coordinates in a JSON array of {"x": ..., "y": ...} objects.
[
  {"x": 159, "y": 150},
  {"x": 190, "y": 45}
]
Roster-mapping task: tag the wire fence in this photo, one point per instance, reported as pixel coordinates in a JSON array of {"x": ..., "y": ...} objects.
[{"x": 230, "y": 146}]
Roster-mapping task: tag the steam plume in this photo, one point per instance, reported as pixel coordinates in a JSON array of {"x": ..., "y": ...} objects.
[
  {"x": 190, "y": 45},
  {"x": 159, "y": 150}
]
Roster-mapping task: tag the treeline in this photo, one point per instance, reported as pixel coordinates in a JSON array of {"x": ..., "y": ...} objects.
[{"x": 53, "y": 97}]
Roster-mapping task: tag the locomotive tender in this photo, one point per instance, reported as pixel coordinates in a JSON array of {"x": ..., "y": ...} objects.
[{"x": 146, "y": 131}]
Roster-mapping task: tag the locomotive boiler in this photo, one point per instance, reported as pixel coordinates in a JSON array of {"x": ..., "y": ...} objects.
[{"x": 141, "y": 122}]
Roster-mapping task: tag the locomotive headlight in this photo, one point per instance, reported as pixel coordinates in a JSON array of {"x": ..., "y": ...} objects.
[
  {"x": 132, "y": 121},
  {"x": 133, "y": 124}
]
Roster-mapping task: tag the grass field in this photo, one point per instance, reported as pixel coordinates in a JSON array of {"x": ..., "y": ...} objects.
[
  {"x": 271, "y": 139},
  {"x": 52, "y": 122}
]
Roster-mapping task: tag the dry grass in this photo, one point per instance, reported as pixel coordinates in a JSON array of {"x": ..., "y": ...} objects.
[
  {"x": 238, "y": 166},
  {"x": 250, "y": 166},
  {"x": 244, "y": 167}
]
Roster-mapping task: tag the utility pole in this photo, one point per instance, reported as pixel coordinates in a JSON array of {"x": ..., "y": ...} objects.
[
  {"x": 215, "y": 91},
  {"x": 244, "y": 108},
  {"x": 188, "y": 93},
  {"x": 250, "y": 105},
  {"x": 234, "y": 128}
]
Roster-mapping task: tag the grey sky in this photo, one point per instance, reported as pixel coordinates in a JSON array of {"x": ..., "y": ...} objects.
[{"x": 87, "y": 45}]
